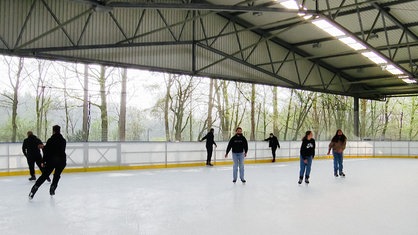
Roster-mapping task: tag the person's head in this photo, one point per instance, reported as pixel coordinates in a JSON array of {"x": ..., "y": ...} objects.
[
  {"x": 56, "y": 129},
  {"x": 29, "y": 133},
  {"x": 238, "y": 131},
  {"x": 212, "y": 130},
  {"x": 339, "y": 136},
  {"x": 308, "y": 135},
  {"x": 271, "y": 135}
]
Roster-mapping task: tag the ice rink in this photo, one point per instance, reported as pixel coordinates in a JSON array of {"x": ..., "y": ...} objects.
[{"x": 378, "y": 196}]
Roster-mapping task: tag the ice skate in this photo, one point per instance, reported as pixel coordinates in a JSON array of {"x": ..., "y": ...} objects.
[
  {"x": 342, "y": 174},
  {"x": 300, "y": 180},
  {"x": 33, "y": 191},
  {"x": 52, "y": 190}
]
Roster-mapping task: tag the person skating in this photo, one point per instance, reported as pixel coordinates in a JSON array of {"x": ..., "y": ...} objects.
[
  {"x": 54, "y": 159},
  {"x": 307, "y": 153},
  {"x": 239, "y": 145},
  {"x": 31, "y": 149},
  {"x": 210, "y": 141},
  {"x": 273, "y": 144},
  {"x": 337, "y": 145}
]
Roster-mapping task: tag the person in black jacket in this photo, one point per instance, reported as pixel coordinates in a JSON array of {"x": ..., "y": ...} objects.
[
  {"x": 273, "y": 144},
  {"x": 54, "y": 159},
  {"x": 239, "y": 145},
  {"x": 307, "y": 153},
  {"x": 31, "y": 149},
  {"x": 210, "y": 141}
]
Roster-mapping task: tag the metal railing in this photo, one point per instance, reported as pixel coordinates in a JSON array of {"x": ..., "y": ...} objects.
[{"x": 99, "y": 154}]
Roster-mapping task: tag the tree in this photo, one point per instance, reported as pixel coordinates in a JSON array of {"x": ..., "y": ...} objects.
[
  {"x": 209, "y": 119},
  {"x": 301, "y": 110},
  {"x": 105, "y": 81},
  {"x": 363, "y": 120},
  {"x": 222, "y": 100},
  {"x": 275, "y": 112},
  {"x": 86, "y": 104},
  {"x": 122, "y": 114},
  {"x": 179, "y": 101},
  {"x": 412, "y": 130},
  {"x": 252, "y": 135},
  {"x": 387, "y": 115},
  {"x": 287, "y": 121},
  {"x": 169, "y": 80},
  {"x": 15, "y": 75}
]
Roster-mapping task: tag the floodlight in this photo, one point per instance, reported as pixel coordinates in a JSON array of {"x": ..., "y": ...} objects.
[
  {"x": 409, "y": 81},
  {"x": 393, "y": 70},
  {"x": 377, "y": 59},
  {"x": 290, "y": 4}
]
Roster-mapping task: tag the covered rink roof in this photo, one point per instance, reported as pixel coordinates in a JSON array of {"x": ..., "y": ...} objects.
[{"x": 361, "y": 48}]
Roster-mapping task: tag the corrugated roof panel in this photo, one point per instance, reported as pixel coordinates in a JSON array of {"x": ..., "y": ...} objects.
[
  {"x": 352, "y": 22},
  {"x": 326, "y": 48},
  {"x": 406, "y": 12},
  {"x": 113, "y": 30},
  {"x": 300, "y": 33},
  {"x": 392, "y": 37},
  {"x": 268, "y": 19},
  {"x": 366, "y": 72},
  {"x": 347, "y": 61}
]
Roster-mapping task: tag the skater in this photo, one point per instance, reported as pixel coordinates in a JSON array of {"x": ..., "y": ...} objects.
[
  {"x": 209, "y": 137},
  {"x": 239, "y": 145},
  {"x": 337, "y": 145},
  {"x": 54, "y": 159},
  {"x": 31, "y": 149},
  {"x": 273, "y": 144},
  {"x": 307, "y": 153}
]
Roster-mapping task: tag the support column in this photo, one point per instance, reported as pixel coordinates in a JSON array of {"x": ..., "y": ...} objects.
[{"x": 356, "y": 117}]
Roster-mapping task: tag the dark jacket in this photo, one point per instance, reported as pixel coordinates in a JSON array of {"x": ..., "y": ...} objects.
[
  {"x": 307, "y": 148},
  {"x": 238, "y": 144},
  {"x": 30, "y": 146},
  {"x": 273, "y": 142},
  {"x": 54, "y": 149},
  {"x": 210, "y": 139}
]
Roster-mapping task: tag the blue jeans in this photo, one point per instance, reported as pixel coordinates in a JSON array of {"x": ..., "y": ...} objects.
[
  {"x": 338, "y": 162},
  {"x": 305, "y": 169},
  {"x": 238, "y": 162}
]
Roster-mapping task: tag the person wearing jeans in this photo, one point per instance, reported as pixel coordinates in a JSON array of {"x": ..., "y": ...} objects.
[
  {"x": 307, "y": 153},
  {"x": 238, "y": 159},
  {"x": 338, "y": 143},
  {"x": 239, "y": 145}
]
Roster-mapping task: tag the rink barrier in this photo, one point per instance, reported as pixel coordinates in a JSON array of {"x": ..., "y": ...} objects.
[
  {"x": 114, "y": 156},
  {"x": 182, "y": 165}
]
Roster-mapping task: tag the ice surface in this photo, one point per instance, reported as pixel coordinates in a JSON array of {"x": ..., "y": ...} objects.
[{"x": 378, "y": 196}]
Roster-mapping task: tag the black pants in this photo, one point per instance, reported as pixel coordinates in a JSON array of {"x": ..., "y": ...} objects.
[
  {"x": 31, "y": 163},
  {"x": 273, "y": 152},
  {"x": 58, "y": 166},
  {"x": 209, "y": 150}
]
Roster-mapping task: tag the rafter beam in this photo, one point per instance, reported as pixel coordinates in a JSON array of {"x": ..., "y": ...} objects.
[
  {"x": 204, "y": 7},
  {"x": 387, "y": 14}
]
